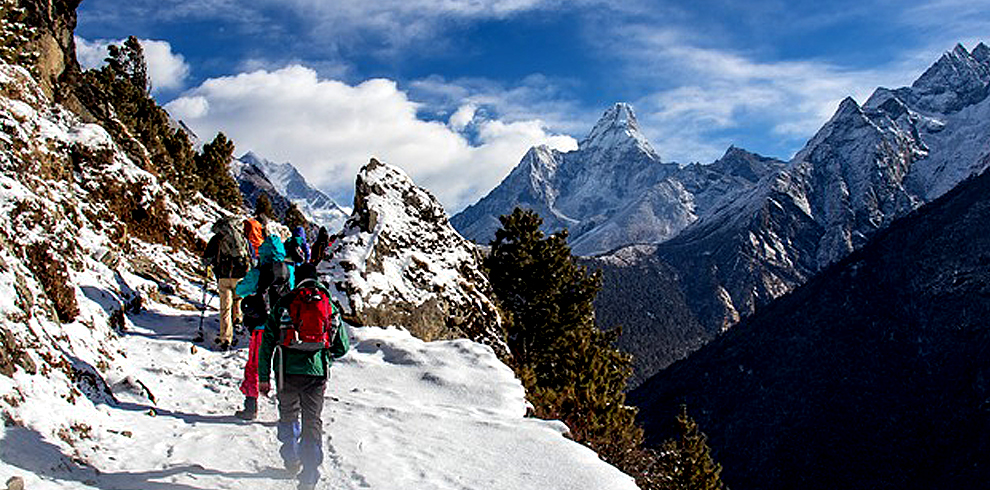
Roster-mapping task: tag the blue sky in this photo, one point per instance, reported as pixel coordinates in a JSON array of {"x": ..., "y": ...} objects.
[{"x": 455, "y": 91}]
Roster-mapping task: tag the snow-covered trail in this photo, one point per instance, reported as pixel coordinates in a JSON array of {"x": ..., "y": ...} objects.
[{"x": 399, "y": 413}]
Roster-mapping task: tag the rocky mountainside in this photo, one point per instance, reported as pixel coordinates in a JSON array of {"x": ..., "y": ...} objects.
[
  {"x": 288, "y": 183},
  {"x": 872, "y": 375},
  {"x": 399, "y": 262},
  {"x": 613, "y": 190},
  {"x": 88, "y": 237},
  {"x": 868, "y": 166}
]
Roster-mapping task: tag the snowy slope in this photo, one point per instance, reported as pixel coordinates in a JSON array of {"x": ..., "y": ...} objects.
[
  {"x": 116, "y": 396},
  {"x": 400, "y": 413}
]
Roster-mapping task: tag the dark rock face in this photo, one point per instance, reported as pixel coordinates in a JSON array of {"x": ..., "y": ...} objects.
[
  {"x": 871, "y": 375},
  {"x": 399, "y": 262}
]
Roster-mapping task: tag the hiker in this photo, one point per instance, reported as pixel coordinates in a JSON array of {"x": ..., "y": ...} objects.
[
  {"x": 305, "y": 333},
  {"x": 227, "y": 253},
  {"x": 320, "y": 246},
  {"x": 296, "y": 248},
  {"x": 261, "y": 289},
  {"x": 254, "y": 230}
]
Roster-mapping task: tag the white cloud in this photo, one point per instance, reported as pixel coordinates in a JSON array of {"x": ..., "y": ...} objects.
[
  {"x": 90, "y": 54},
  {"x": 329, "y": 129},
  {"x": 462, "y": 117},
  {"x": 166, "y": 69}
]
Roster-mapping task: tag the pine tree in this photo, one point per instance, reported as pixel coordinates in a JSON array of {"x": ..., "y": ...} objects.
[
  {"x": 128, "y": 61},
  {"x": 294, "y": 217},
  {"x": 685, "y": 462},
  {"x": 263, "y": 206},
  {"x": 213, "y": 167},
  {"x": 118, "y": 95},
  {"x": 570, "y": 367}
]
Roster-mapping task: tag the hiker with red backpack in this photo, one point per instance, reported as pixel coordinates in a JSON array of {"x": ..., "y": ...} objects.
[
  {"x": 261, "y": 289},
  {"x": 304, "y": 334},
  {"x": 228, "y": 255}
]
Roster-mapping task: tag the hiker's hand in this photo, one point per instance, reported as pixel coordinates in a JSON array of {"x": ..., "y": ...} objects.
[{"x": 264, "y": 387}]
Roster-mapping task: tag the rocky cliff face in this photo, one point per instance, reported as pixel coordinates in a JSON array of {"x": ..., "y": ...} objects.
[
  {"x": 56, "y": 66},
  {"x": 399, "y": 262},
  {"x": 87, "y": 238}
]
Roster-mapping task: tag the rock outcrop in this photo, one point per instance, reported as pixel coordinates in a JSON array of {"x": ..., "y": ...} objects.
[{"x": 399, "y": 262}]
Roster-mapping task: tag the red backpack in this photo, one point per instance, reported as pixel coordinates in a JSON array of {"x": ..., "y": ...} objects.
[{"x": 309, "y": 325}]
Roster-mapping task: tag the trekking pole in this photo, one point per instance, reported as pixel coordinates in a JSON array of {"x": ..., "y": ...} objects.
[{"x": 202, "y": 312}]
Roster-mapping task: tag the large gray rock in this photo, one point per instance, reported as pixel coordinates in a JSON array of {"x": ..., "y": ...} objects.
[{"x": 399, "y": 262}]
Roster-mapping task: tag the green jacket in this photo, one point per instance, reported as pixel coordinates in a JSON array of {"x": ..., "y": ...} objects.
[{"x": 315, "y": 363}]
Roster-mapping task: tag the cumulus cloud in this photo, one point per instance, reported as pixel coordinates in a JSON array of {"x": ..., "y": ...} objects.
[
  {"x": 329, "y": 129},
  {"x": 166, "y": 69}
]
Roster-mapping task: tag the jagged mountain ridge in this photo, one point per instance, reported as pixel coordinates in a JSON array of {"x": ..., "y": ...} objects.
[
  {"x": 868, "y": 166},
  {"x": 285, "y": 182},
  {"x": 613, "y": 190},
  {"x": 871, "y": 375}
]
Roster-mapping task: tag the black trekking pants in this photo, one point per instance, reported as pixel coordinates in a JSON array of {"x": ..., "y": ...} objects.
[{"x": 301, "y": 397}]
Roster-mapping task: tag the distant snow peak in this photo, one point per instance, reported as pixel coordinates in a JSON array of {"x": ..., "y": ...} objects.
[
  {"x": 289, "y": 183},
  {"x": 617, "y": 129},
  {"x": 958, "y": 79}
]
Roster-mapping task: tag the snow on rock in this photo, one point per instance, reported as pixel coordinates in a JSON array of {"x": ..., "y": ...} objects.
[{"x": 399, "y": 262}]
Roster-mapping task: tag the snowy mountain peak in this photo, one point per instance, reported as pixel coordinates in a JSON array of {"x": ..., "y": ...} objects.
[
  {"x": 617, "y": 129},
  {"x": 288, "y": 182},
  {"x": 958, "y": 79}
]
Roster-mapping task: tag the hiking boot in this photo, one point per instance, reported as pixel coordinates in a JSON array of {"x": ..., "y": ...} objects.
[
  {"x": 250, "y": 411},
  {"x": 293, "y": 467},
  {"x": 199, "y": 337},
  {"x": 223, "y": 345}
]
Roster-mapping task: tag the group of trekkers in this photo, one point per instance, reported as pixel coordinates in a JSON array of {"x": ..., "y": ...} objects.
[{"x": 268, "y": 286}]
